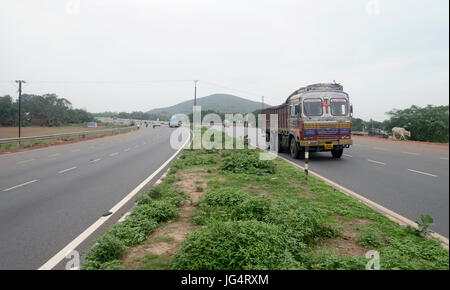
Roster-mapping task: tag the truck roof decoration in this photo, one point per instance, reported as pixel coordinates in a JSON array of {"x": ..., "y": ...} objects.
[{"x": 317, "y": 87}]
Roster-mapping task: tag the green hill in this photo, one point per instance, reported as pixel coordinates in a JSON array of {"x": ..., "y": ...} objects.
[{"x": 222, "y": 103}]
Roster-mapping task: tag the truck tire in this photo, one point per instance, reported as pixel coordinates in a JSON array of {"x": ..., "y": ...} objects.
[
  {"x": 337, "y": 153},
  {"x": 293, "y": 148}
]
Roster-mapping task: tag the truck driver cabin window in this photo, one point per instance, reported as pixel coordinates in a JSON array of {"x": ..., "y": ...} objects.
[
  {"x": 338, "y": 107},
  {"x": 312, "y": 107}
]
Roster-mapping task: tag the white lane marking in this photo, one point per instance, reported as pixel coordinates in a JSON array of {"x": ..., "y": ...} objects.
[
  {"x": 53, "y": 155},
  {"x": 114, "y": 154},
  {"x": 136, "y": 146},
  {"x": 377, "y": 162},
  {"x": 128, "y": 149},
  {"x": 421, "y": 172},
  {"x": 95, "y": 160},
  {"x": 348, "y": 155},
  {"x": 410, "y": 153},
  {"x": 379, "y": 148},
  {"x": 25, "y": 161},
  {"x": 68, "y": 169},
  {"x": 444, "y": 158},
  {"x": 50, "y": 264},
  {"x": 23, "y": 184}
]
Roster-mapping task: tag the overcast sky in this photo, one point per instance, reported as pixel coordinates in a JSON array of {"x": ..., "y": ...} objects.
[{"x": 387, "y": 54}]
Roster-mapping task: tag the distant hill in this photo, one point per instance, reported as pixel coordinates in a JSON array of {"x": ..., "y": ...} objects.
[{"x": 222, "y": 103}]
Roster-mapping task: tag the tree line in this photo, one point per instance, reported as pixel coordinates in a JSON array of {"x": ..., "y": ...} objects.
[
  {"x": 44, "y": 110},
  {"x": 133, "y": 115},
  {"x": 430, "y": 123}
]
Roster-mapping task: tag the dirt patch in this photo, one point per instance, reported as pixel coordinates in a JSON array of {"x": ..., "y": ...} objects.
[
  {"x": 347, "y": 245},
  {"x": 59, "y": 142},
  {"x": 257, "y": 188},
  {"x": 177, "y": 230},
  {"x": 350, "y": 226},
  {"x": 344, "y": 247},
  {"x": 190, "y": 181},
  {"x": 304, "y": 191}
]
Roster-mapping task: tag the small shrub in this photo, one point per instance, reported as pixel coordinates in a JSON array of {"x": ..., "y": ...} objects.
[
  {"x": 225, "y": 196},
  {"x": 236, "y": 245},
  {"x": 305, "y": 224},
  {"x": 370, "y": 237},
  {"x": 246, "y": 161},
  {"x": 424, "y": 225},
  {"x": 163, "y": 191},
  {"x": 253, "y": 209},
  {"x": 157, "y": 210},
  {"x": 108, "y": 248}
]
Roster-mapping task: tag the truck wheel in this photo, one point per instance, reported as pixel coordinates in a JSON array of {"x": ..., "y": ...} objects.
[
  {"x": 337, "y": 153},
  {"x": 294, "y": 149}
]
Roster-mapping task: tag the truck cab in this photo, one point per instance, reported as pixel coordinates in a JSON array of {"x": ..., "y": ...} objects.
[{"x": 316, "y": 118}]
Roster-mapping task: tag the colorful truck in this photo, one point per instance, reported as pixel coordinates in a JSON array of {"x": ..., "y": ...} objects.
[{"x": 314, "y": 118}]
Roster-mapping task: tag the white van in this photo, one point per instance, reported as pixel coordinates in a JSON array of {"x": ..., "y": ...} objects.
[{"x": 174, "y": 122}]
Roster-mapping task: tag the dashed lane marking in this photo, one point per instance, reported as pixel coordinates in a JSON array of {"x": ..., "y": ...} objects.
[
  {"x": 377, "y": 162},
  {"x": 421, "y": 172},
  {"x": 20, "y": 185}
]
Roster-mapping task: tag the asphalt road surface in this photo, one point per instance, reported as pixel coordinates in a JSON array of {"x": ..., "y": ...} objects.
[
  {"x": 410, "y": 178},
  {"x": 49, "y": 196}
]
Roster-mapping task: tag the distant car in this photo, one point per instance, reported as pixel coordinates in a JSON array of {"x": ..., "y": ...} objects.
[{"x": 156, "y": 124}]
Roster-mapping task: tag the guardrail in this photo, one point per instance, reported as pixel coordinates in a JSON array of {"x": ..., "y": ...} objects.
[
  {"x": 358, "y": 133},
  {"x": 60, "y": 136}
]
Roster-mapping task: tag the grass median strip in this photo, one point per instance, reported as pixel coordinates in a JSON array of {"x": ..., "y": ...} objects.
[{"x": 226, "y": 209}]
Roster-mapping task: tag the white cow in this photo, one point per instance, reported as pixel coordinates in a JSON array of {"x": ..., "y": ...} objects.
[{"x": 401, "y": 132}]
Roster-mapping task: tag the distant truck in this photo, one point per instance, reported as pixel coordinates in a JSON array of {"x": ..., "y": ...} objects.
[
  {"x": 174, "y": 122},
  {"x": 316, "y": 118},
  {"x": 91, "y": 125}
]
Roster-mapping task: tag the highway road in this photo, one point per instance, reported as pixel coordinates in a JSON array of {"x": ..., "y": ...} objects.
[
  {"x": 409, "y": 178},
  {"x": 49, "y": 196}
]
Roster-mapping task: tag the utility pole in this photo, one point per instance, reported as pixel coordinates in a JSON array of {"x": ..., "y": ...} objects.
[
  {"x": 20, "y": 104},
  {"x": 195, "y": 92},
  {"x": 262, "y": 103}
]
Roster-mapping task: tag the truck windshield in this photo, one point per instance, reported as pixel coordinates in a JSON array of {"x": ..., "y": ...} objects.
[
  {"x": 312, "y": 107},
  {"x": 338, "y": 107}
]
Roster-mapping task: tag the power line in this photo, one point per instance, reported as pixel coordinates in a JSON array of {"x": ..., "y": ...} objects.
[
  {"x": 230, "y": 88},
  {"x": 105, "y": 82}
]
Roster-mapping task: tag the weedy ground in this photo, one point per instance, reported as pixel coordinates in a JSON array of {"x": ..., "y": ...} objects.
[{"x": 226, "y": 209}]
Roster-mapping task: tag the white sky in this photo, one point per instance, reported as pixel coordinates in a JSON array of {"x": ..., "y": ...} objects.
[{"x": 387, "y": 54}]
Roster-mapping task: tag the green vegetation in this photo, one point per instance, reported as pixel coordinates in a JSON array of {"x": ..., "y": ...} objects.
[
  {"x": 303, "y": 213},
  {"x": 430, "y": 123},
  {"x": 156, "y": 206},
  {"x": 262, "y": 217},
  {"x": 45, "y": 110},
  {"x": 133, "y": 115},
  {"x": 246, "y": 161},
  {"x": 424, "y": 225},
  {"x": 246, "y": 245}
]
